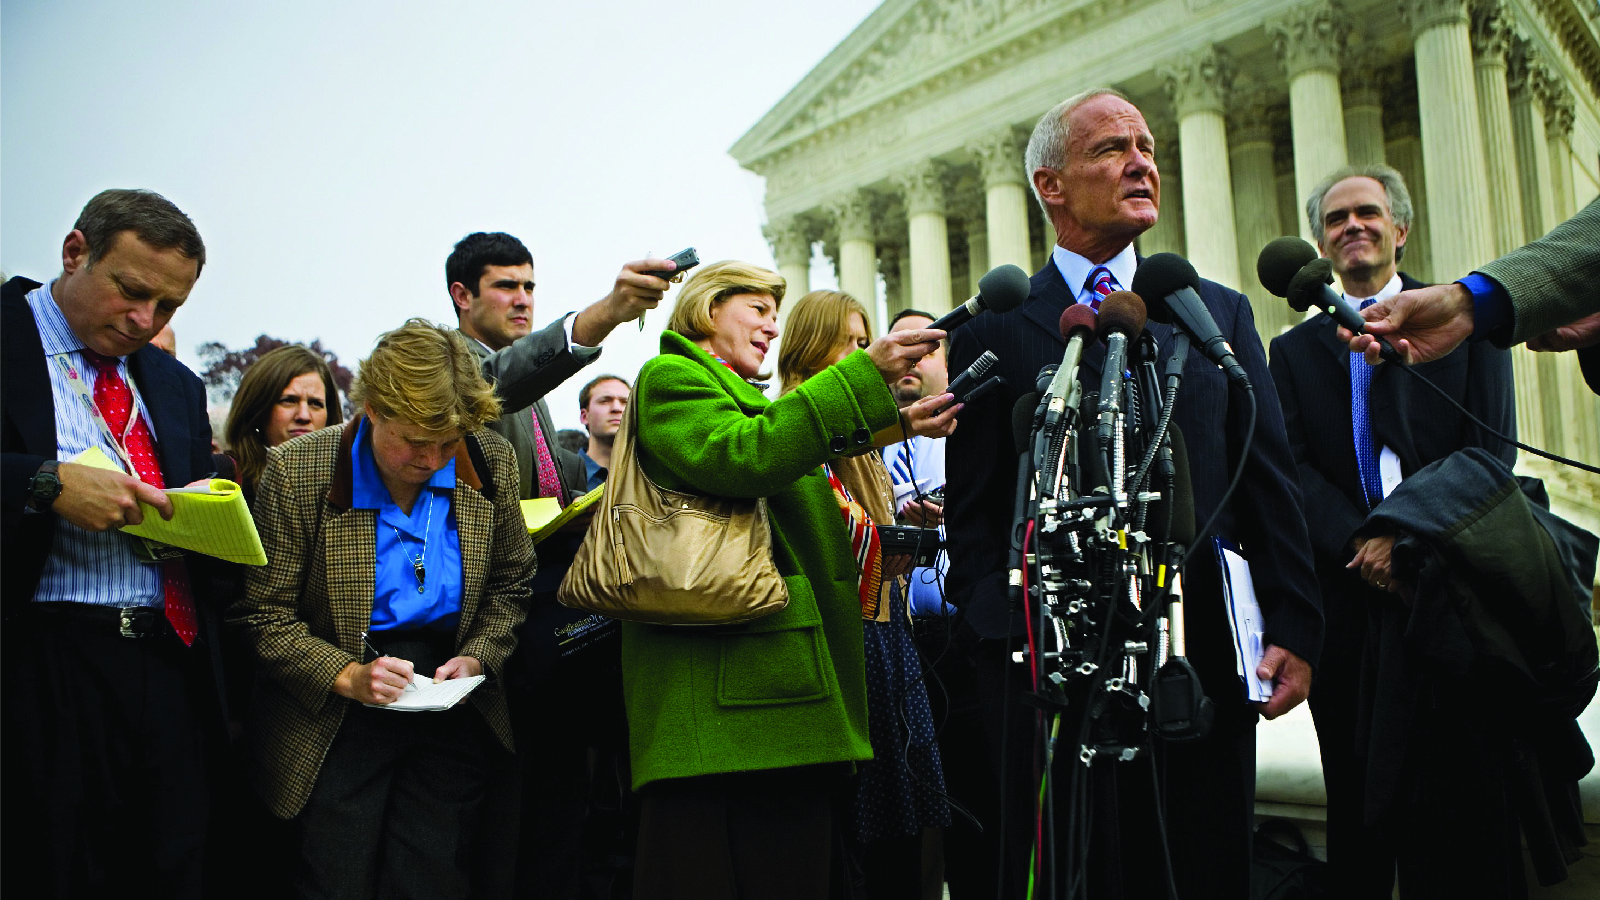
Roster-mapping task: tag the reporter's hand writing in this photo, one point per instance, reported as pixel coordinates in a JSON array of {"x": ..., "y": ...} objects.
[
  {"x": 1422, "y": 324},
  {"x": 898, "y": 351},
  {"x": 101, "y": 499},
  {"x": 381, "y": 681}
]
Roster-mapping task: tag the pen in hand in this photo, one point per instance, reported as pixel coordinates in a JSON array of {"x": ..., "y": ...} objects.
[{"x": 410, "y": 686}]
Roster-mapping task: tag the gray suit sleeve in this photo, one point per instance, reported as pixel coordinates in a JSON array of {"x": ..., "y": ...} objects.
[
  {"x": 1552, "y": 281},
  {"x": 532, "y": 367}
]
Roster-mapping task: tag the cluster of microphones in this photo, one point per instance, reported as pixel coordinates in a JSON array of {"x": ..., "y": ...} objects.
[{"x": 1165, "y": 290}]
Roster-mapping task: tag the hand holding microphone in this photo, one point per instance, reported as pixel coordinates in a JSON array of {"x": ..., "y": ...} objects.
[{"x": 1290, "y": 268}]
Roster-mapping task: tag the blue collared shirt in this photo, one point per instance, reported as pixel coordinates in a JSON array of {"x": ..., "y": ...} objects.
[
  {"x": 1492, "y": 314},
  {"x": 594, "y": 473},
  {"x": 1075, "y": 270},
  {"x": 396, "y": 602},
  {"x": 95, "y": 567}
]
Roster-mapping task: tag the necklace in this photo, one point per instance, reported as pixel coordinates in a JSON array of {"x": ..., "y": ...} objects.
[{"x": 418, "y": 566}]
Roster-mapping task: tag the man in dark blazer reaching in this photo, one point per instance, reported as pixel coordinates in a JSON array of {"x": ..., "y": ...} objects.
[
  {"x": 1356, "y": 431},
  {"x": 1091, "y": 161},
  {"x": 110, "y": 657}
]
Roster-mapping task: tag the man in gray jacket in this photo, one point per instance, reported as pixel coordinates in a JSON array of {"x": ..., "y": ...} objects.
[{"x": 535, "y": 816}]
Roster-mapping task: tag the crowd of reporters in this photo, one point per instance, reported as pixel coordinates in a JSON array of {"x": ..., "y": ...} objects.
[{"x": 817, "y": 753}]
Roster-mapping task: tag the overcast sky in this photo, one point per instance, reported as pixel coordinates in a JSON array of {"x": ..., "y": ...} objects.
[{"x": 331, "y": 153}]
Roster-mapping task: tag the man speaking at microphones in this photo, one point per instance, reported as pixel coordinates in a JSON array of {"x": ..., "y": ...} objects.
[
  {"x": 1356, "y": 431},
  {"x": 1092, "y": 165}
]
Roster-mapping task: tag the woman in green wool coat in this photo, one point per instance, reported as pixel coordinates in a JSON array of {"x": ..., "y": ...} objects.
[{"x": 743, "y": 735}]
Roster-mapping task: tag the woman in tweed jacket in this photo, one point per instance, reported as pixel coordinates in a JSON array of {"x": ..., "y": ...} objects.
[
  {"x": 395, "y": 548},
  {"x": 742, "y": 736}
]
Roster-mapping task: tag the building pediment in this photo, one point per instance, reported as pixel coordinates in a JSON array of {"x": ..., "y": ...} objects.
[{"x": 906, "y": 46}]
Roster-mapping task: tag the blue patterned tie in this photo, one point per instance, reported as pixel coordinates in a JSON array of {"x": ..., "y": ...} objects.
[
  {"x": 1361, "y": 422},
  {"x": 1100, "y": 285}
]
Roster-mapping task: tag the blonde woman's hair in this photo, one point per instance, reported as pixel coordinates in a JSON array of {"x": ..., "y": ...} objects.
[
  {"x": 816, "y": 330},
  {"x": 426, "y": 375},
  {"x": 691, "y": 315}
]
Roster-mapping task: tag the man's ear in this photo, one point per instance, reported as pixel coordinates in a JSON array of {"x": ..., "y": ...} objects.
[
  {"x": 1401, "y": 232},
  {"x": 583, "y": 417},
  {"x": 461, "y": 297},
  {"x": 1048, "y": 183},
  {"x": 74, "y": 252}
]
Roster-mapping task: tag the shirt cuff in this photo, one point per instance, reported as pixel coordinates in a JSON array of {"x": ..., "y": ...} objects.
[
  {"x": 583, "y": 354},
  {"x": 1492, "y": 315}
]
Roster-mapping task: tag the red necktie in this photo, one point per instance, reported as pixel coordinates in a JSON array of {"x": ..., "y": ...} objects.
[
  {"x": 115, "y": 402},
  {"x": 1101, "y": 283},
  {"x": 549, "y": 479}
]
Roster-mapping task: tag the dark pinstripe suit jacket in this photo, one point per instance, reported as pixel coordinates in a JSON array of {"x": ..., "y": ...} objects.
[
  {"x": 304, "y": 612},
  {"x": 1265, "y": 516}
]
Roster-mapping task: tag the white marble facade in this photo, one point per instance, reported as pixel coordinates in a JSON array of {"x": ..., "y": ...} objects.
[{"x": 901, "y": 152}]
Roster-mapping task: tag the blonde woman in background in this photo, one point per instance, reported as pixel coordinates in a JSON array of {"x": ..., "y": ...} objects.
[{"x": 900, "y": 792}]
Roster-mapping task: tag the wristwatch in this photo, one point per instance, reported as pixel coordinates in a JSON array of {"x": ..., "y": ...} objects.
[{"x": 45, "y": 487}]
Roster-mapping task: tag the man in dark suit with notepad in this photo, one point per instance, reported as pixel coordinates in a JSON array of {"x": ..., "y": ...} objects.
[{"x": 109, "y": 645}]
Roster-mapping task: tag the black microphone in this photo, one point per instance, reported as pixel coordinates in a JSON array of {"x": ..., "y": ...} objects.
[
  {"x": 1022, "y": 424},
  {"x": 1078, "y": 323},
  {"x": 975, "y": 374},
  {"x": 1290, "y": 268},
  {"x": 1002, "y": 289},
  {"x": 1169, "y": 286},
  {"x": 1311, "y": 286},
  {"x": 1122, "y": 316}
]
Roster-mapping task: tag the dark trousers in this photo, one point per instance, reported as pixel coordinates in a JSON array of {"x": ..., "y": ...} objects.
[
  {"x": 745, "y": 836},
  {"x": 394, "y": 811},
  {"x": 105, "y": 787},
  {"x": 1206, "y": 787}
]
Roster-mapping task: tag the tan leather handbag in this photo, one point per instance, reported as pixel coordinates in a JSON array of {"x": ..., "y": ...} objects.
[{"x": 670, "y": 558}]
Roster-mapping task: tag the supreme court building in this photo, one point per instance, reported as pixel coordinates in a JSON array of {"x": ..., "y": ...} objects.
[{"x": 900, "y": 154}]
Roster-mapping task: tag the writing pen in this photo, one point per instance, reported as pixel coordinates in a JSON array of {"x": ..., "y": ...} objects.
[{"x": 374, "y": 650}]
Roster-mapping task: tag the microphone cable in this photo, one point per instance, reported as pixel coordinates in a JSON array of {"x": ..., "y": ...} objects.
[{"x": 1555, "y": 457}]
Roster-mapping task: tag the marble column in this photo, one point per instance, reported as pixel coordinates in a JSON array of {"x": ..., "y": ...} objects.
[
  {"x": 977, "y": 254},
  {"x": 1309, "y": 41},
  {"x": 1491, "y": 34},
  {"x": 1197, "y": 83},
  {"x": 1404, "y": 152},
  {"x": 1363, "y": 92},
  {"x": 890, "y": 260},
  {"x": 1452, "y": 136},
  {"x": 1255, "y": 206},
  {"x": 857, "y": 255},
  {"x": 1166, "y": 236},
  {"x": 1523, "y": 77},
  {"x": 1558, "y": 114},
  {"x": 960, "y": 263},
  {"x": 1008, "y": 200},
  {"x": 923, "y": 185},
  {"x": 791, "y": 247},
  {"x": 1290, "y": 212}
]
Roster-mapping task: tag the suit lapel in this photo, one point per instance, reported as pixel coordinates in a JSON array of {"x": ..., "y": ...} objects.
[
  {"x": 474, "y": 527},
  {"x": 162, "y": 396},
  {"x": 29, "y": 405},
  {"x": 351, "y": 536}
]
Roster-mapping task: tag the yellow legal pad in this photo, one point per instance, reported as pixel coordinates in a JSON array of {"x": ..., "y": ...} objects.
[
  {"x": 211, "y": 518},
  {"x": 544, "y": 515}
]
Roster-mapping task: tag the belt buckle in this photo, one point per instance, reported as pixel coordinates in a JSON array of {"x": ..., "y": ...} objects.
[{"x": 134, "y": 621}]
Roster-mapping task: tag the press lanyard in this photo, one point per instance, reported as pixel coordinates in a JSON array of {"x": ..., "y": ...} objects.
[{"x": 82, "y": 390}]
